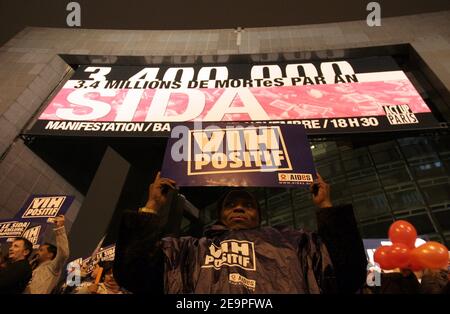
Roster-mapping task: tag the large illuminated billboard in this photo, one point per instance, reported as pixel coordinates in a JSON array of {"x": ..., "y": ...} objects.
[{"x": 327, "y": 97}]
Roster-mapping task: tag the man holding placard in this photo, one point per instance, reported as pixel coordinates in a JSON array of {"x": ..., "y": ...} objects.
[{"x": 236, "y": 255}]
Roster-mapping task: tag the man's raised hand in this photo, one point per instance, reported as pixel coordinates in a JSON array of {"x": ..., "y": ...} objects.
[
  {"x": 320, "y": 191},
  {"x": 158, "y": 193}
]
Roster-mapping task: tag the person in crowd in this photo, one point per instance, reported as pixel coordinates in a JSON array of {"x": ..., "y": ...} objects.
[
  {"x": 3, "y": 261},
  {"x": 237, "y": 255},
  {"x": 15, "y": 276},
  {"x": 435, "y": 281},
  {"x": 50, "y": 261}
]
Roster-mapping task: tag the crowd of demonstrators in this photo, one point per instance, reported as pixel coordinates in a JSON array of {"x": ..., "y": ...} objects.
[
  {"x": 16, "y": 274},
  {"x": 237, "y": 255},
  {"x": 45, "y": 273},
  {"x": 49, "y": 262}
]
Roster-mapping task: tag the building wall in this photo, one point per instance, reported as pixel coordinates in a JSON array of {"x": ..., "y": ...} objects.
[{"x": 30, "y": 69}]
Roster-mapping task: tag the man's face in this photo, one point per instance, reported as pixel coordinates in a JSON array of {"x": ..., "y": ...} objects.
[
  {"x": 17, "y": 251},
  {"x": 239, "y": 211},
  {"x": 44, "y": 254}
]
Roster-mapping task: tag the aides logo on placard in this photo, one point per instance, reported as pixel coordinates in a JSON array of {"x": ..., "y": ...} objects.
[
  {"x": 44, "y": 207},
  {"x": 295, "y": 178},
  {"x": 239, "y": 280},
  {"x": 400, "y": 114},
  {"x": 234, "y": 150},
  {"x": 231, "y": 253}
]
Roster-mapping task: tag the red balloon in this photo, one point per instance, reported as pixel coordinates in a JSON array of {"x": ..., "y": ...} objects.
[
  {"x": 413, "y": 265},
  {"x": 399, "y": 255},
  {"x": 382, "y": 256},
  {"x": 430, "y": 255},
  {"x": 402, "y": 231}
]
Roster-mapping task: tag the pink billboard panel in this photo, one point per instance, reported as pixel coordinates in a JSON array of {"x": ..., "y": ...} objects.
[{"x": 234, "y": 104}]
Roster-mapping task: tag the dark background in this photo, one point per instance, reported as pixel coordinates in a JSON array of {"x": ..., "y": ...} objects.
[{"x": 197, "y": 14}]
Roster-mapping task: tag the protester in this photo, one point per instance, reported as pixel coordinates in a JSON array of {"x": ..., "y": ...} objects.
[
  {"x": 435, "y": 281},
  {"x": 236, "y": 255},
  {"x": 50, "y": 261},
  {"x": 3, "y": 261},
  {"x": 15, "y": 276}
]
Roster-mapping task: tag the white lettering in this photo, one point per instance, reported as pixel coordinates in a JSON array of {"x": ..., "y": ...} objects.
[
  {"x": 98, "y": 109},
  {"x": 251, "y": 106},
  {"x": 74, "y": 17},
  {"x": 195, "y": 105}
]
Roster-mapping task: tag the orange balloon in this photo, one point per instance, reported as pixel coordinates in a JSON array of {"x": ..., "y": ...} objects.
[
  {"x": 430, "y": 255},
  {"x": 399, "y": 255},
  {"x": 402, "y": 231},
  {"x": 382, "y": 256}
]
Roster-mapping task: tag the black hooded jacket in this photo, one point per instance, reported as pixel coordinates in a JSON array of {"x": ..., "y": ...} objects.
[{"x": 259, "y": 260}]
